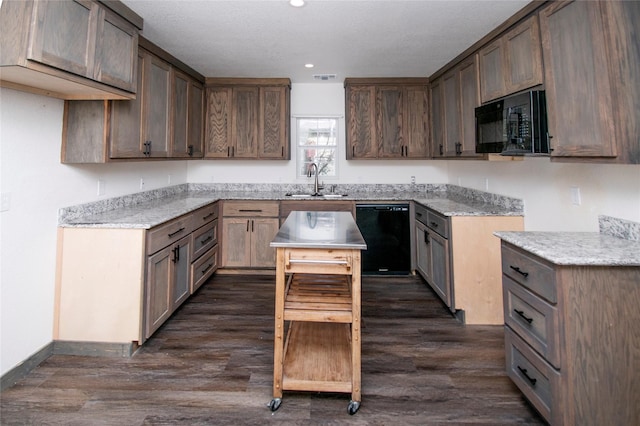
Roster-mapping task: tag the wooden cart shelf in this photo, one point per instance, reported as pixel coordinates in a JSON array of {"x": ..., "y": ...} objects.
[{"x": 318, "y": 305}]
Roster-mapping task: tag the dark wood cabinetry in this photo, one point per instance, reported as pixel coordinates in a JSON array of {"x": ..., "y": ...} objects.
[
  {"x": 164, "y": 121},
  {"x": 76, "y": 49},
  {"x": 247, "y": 118},
  {"x": 591, "y": 75},
  {"x": 387, "y": 118},
  {"x": 511, "y": 63},
  {"x": 454, "y": 97}
]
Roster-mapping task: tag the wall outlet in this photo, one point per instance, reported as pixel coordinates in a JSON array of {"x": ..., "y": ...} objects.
[
  {"x": 576, "y": 199},
  {"x": 413, "y": 180},
  {"x": 486, "y": 184},
  {"x": 141, "y": 183},
  {"x": 102, "y": 187},
  {"x": 168, "y": 179},
  {"x": 5, "y": 204}
]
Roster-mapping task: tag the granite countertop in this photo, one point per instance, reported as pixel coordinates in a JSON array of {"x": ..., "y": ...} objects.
[
  {"x": 149, "y": 209},
  {"x": 325, "y": 230},
  {"x": 577, "y": 248}
]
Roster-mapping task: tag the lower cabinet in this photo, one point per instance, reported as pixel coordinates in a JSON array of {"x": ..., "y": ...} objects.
[
  {"x": 571, "y": 338},
  {"x": 459, "y": 257},
  {"x": 248, "y": 227},
  {"x": 120, "y": 285}
]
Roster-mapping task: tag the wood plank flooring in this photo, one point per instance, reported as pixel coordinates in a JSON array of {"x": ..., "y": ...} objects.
[{"x": 212, "y": 364}]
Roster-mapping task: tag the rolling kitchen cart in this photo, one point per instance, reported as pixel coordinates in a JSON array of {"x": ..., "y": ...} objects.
[{"x": 317, "y": 306}]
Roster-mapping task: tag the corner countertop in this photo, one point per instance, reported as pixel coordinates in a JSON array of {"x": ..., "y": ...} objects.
[
  {"x": 148, "y": 209},
  {"x": 577, "y": 248},
  {"x": 325, "y": 230}
]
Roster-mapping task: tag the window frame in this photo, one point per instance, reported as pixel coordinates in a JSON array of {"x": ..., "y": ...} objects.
[{"x": 299, "y": 148}]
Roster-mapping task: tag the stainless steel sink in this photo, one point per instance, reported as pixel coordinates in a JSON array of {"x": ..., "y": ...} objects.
[{"x": 331, "y": 195}]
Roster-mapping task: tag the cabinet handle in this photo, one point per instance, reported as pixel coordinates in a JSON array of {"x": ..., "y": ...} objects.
[
  {"x": 521, "y": 313},
  {"x": 147, "y": 149},
  {"x": 458, "y": 148},
  {"x": 418, "y": 214},
  {"x": 176, "y": 254},
  {"x": 175, "y": 233},
  {"x": 252, "y": 226},
  {"x": 206, "y": 240},
  {"x": 524, "y": 373},
  {"x": 283, "y": 151},
  {"x": 190, "y": 150},
  {"x": 207, "y": 216},
  {"x": 247, "y": 225},
  {"x": 233, "y": 151},
  {"x": 517, "y": 269},
  {"x": 426, "y": 237},
  {"x": 228, "y": 151},
  {"x": 441, "y": 149},
  {"x": 204, "y": 271},
  {"x": 434, "y": 224},
  {"x": 353, "y": 151},
  {"x": 250, "y": 210}
]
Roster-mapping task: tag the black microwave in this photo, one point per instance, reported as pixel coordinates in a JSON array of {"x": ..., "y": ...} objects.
[{"x": 515, "y": 125}]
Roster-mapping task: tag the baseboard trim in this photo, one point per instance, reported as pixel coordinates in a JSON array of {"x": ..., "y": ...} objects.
[
  {"x": 20, "y": 371},
  {"x": 62, "y": 347}
]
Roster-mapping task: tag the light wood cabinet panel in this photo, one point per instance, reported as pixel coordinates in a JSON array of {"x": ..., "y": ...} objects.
[
  {"x": 579, "y": 103},
  {"x": 387, "y": 118},
  {"x": 158, "y": 290},
  {"x": 512, "y": 62},
  {"x": 74, "y": 49},
  {"x": 263, "y": 230},
  {"x": 236, "y": 246},
  {"x": 247, "y": 118}
]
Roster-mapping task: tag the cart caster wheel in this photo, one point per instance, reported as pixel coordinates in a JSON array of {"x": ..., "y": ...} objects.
[
  {"x": 275, "y": 404},
  {"x": 353, "y": 407}
]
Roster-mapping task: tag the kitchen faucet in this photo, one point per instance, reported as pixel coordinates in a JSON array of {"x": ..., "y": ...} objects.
[{"x": 316, "y": 187}]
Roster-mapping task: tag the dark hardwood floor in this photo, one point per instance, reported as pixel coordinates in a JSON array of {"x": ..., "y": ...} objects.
[{"x": 212, "y": 363}]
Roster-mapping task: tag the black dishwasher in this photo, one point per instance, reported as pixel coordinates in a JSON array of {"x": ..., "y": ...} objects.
[{"x": 385, "y": 228}]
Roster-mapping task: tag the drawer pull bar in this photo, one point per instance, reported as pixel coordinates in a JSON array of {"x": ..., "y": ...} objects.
[
  {"x": 206, "y": 240},
  {"x": 521, "y": 313},
  {"x": 209, "y": 266},
  {"x": 250, "y": 210},
  {"x": 434, "y": 224},
  {"x": 207, "y": 216},
  {"x": 175, "y": 233},
  {"x": 524, "y": 373},
  {"x": 318, "y": 262},
  {"x": 517, "y": 269}
]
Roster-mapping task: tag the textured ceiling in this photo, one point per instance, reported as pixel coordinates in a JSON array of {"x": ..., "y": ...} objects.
[{"x": 349, "y": 38}]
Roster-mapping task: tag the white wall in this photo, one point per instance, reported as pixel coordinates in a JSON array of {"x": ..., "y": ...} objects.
[{"x": 38, "y": 185}]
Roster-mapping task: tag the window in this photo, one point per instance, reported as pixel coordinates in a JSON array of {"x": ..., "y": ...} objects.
[{"x": 317, "y": 142}]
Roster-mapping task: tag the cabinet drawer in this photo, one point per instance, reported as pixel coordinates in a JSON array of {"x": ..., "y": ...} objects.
[
  {"x": 421, "y": 213},
  {"x": 250, "y": 208},
  {"x": 536, "y": 378},
  {"x": 204, "y": 215},
  {"x": 163, "y": 235},
  {"x": 320, "y": 261},
  {"x": 204, "y": 238},
  {"x": 438, "y": 223},
  {"x": 203, "y": 268},
  {"x": 530, "y": 272},
  {"x": 535, "y": 320}
]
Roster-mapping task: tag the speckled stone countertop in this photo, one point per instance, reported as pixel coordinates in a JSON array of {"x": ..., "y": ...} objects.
[
  {"x": 151, "y": 208},
  {"x": 605, "y": 248}
]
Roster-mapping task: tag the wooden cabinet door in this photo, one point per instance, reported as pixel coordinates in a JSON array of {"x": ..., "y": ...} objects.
[
  {"x": 244, "y": 137},
  {"x": 181, "y": 285},
  {"x": 116, "y": 57},
  {"x": 439, "y": 259},
  {"x": 361, "y": 136},
  {"x": 273, "y": 141},
  {"x": 218, "y": 122},
  {"x": 578, "y": 91},
  {"x": 64, "y": 35},
  {"x": 195, "y": 116},
  {"x": 180, "y": 103},
  {"x": 262, "y": 232},
  {"x": 492, "y": 78},
  {"x": 523, "y": 56},
  {"x": 422, "y": 251},
  {"x": 437, "y": 119},
  {"x": 451, "y": 90},
  {"x": 416, "y": 119},
  {"x": 389, "y": 104},
  {"x": 236, "y": 242},
  {"x": 157, "y": 299},
  {"x": 156, "y": 106},
  {"x": 126, "y": 139},
  {"x": 469, "y": 100}
]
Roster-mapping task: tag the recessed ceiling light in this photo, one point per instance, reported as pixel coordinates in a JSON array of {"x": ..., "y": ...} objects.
[
  {"x": 296, "y": 3},
  {"x": 308, "y": 65}
]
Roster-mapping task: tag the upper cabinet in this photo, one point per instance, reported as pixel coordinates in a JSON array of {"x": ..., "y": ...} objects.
[
  {"x": 512, "y": 62},
  {"x": 387, "y": 118},
  {"x": 592, "y": 69},
  {"x": 164, "y": 121},
  {"x": 454, "y": 97},
  {"x": 247, "y": 118},
  {"x": 74, "y": 49}
]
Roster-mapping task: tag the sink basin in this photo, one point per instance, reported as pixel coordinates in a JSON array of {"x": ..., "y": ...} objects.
[{"x": 331, "y": 195}]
